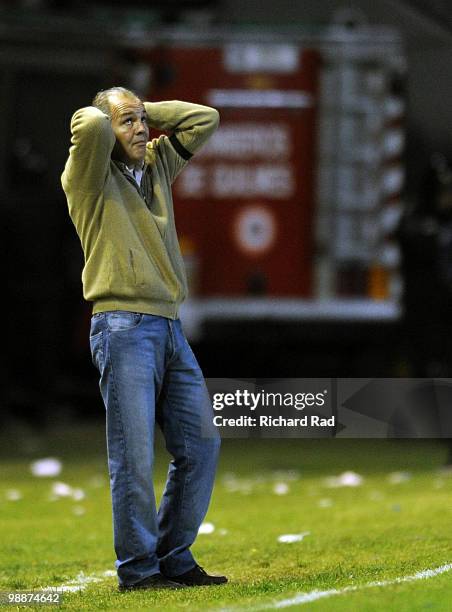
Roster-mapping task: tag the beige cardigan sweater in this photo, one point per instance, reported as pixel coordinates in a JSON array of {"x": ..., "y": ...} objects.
[{"x": 132, "y": 256}]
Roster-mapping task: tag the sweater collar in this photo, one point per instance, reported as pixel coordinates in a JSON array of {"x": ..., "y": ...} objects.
[
  {"x": 125, "y": 168},
  {"x": 133, "y": 173}
]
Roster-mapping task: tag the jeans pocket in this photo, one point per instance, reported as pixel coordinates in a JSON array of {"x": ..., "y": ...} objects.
[
  {"x": 122, "y": 320},
  {"x": 96, "y": 343}
]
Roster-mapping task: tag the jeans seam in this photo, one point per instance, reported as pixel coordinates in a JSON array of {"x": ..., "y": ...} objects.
[
  {"x": 124, "y": 447},
  {"x": 186, "y": 478},
  {"x": 173, "y": 341}
]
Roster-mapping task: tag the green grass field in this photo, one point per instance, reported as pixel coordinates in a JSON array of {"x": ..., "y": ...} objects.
[{"x": 396, "y": 523}]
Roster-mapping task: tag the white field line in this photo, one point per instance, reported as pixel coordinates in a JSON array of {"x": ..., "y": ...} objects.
[
  {"x": 80, "y": 582},
  {"x": 303, "y": 598}
]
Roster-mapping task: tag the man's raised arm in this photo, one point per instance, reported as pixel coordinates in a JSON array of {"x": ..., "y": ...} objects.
[
  {"x": 89, "y": 156},
  {"x": 190, "y": 126}
]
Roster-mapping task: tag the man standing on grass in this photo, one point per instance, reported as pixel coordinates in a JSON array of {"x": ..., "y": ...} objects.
[{"x": 118, "y": 188}]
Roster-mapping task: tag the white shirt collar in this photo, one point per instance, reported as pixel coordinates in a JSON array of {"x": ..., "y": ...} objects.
[{"x": 136, "y": 173}]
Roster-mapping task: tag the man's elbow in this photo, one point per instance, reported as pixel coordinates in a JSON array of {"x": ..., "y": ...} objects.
[
  {"x": 89, "y": 120},
  {"x": 215, "y": 118}
]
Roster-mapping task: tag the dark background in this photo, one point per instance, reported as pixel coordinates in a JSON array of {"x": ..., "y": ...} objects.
[{"x": 54, "y": 55}]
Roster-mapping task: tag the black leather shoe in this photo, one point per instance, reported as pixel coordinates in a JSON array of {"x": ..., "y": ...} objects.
[
  {"x": 198, "y": 577},
  {"x": 156, "y": 581}
]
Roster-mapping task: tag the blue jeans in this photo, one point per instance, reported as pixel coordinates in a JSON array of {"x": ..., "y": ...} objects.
[{"x": 149, "y": 374}]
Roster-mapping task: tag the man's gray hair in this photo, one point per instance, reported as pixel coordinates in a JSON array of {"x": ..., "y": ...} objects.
[{"x": 102, "y": 99}]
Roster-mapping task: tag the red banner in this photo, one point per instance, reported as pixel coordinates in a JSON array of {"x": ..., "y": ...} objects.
[{"x": 244, "y": 204}]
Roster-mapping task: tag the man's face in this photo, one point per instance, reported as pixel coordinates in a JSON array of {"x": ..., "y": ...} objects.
[{"x": 129, "y": 123}]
